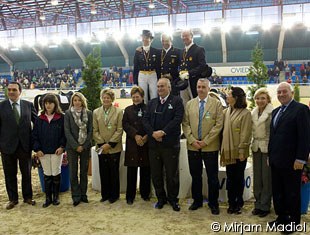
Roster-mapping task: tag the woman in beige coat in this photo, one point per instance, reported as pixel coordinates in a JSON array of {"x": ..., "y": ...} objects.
[
  {"x": 261, "y": 118},
  {"x": 235, "y": 146},
  {"x": 107, "y": 132}
]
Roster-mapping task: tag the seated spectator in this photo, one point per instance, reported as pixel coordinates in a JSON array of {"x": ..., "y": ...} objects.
[{"x": 305, "y": 79}]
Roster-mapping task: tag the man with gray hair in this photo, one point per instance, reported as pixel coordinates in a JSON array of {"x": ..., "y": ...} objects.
[
  {"x": 202, "y": 132},
  {"x": 288, "y": 150},
  {"x": 192, "y": 65},
  {"x": 161, "y": 122},
  {"x": 170, "y": 61}
]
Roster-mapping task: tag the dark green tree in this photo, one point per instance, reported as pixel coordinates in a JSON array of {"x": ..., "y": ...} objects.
[
  {"x": 296, "y": 93},
  {"x": 92, "y": 75},
  {"x": 258, "y": 72}
]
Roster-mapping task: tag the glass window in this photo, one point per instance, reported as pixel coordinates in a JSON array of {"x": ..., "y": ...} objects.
[
  {"x": 180, "y": 21},
  {"x": 83, "y": 29},
  {"x": 195, "y": 20},
  {"x": 213, "y": 18},
  {"x": 306, "y": 14},
  {"x": 271, "y": 15},
  {"x": 292, "y": 14},
  {"x": 252, "y": 16},
  {"x": 233, "y": 17}
]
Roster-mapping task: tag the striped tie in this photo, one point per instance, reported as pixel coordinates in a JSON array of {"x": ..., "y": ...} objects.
[{"x": 201, "y": 110}]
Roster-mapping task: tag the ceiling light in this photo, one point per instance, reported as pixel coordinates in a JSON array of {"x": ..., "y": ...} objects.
[
  {"x": 54, "y": 2},
  {"x": 42, "y": 17},
  {"x": 93, "y": 10},
  {"x": 14, "y": 49},
  {"x": 251, "y": 32},
  {"x": 151, "y": 5}
]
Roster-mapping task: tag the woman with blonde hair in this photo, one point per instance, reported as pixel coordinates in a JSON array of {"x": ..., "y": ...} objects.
[
  {"x": 78, "y": 131},
  {"x": 107, "y": 132},
  {"x": 49, "y": 142},
  {"x": 261, "y": 119}
]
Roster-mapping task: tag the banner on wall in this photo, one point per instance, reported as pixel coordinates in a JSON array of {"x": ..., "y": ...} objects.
[{"x": 231, "y": 71}]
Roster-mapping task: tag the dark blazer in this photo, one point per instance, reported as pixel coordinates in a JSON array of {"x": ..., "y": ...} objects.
[
  {"x": 169, "y": 63},
  {"x": 12, "y": 133},
  {"x": 194, "y": 62},
  {"x": 48, "y": 137},
  {"x": 141, "y": 63},
  {"x": 135, "y": 155},
  {"x": 290, "y": 140},
  {"x": 169, "y": 120},
  {"x": 72, "y": 131}
]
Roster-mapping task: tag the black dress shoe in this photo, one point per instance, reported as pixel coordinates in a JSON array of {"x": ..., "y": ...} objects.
[
  {"x": 146, "y": 199},
  {"x": 129, "y": 201},
  {"x": 215, "y": 210},
  {"x": 112, "y": 200},
  {"x": 256, "y": 211},
  {"x": 47, "y": 203},
  {"x": 160, "y": 204},
  {"x": 75, "y": 203},
  {"x": 11, "y": 205},
  {"x": 85, "y": 200},
  {"x": 104, "y": 199},
  {"x": 194, "y": 206},
  {"x": 230, "y": 210},
  {"x": 30, "y": 201},
  {"x": 274, "y": 223},
  {"x": 263, "y": 214},
  {"x": 237, "y": 210},
  {"x": 175, "y": 206}
]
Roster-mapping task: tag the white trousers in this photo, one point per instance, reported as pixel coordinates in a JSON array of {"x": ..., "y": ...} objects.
[
  {"x": 186, "y": 95},
  {"x": 51, "y": 164},
  {"x": 148, "y": 82}
]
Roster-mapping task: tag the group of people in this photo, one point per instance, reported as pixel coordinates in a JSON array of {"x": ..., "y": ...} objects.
[
  {"x": 279, "y": 139},
  {"x": 177, "y": 65}
]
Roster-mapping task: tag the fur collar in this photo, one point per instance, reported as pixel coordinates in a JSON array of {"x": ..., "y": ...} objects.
[{"x": 265, "y": 115}]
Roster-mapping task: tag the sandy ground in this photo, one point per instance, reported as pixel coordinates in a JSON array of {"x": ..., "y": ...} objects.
[{"x": 120, "y": 218}]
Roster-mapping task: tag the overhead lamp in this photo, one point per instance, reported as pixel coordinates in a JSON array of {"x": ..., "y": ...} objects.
[
  {"x": 54, "y": 2},
  {"x": 42, "y": 17},
  {"x": 93, "y": 10},
  {"x": 151, "y": 5}
]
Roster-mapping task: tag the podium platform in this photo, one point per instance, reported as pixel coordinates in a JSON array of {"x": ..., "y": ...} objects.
[{"x": 185, "y": 177}]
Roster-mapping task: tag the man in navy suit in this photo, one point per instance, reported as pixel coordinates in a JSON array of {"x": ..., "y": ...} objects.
[
  {"x": 162, "y": 123},
  {"x": 288, "y": 151},
  {"x": 192, "y": 65},
  {"x": 16, "y": 116},
  {"x": 169, "y": 62}
]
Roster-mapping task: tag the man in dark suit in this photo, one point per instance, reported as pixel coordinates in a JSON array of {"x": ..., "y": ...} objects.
[
  {"x": 162, "y": 124},
  {"x": 288, "y": 151},
  {"x": 169, "y": 62},
  {"x": 193, "y": 63},
  {"x": 16, "y": 116}
]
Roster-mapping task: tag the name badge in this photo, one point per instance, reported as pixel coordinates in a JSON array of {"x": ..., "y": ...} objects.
[
  {"x": 109, "y": 126},
  {"x": 170, "y": 106},
  {"x": 208, "y": 115},
  {"x": 140, "y": 113}
]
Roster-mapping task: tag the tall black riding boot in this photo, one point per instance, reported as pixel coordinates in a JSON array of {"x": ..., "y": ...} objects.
[
  {"x": 56, "y": 189},
  {"x": 48, "y": 182}
]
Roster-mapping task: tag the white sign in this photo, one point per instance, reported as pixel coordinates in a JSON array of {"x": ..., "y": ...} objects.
[{"x": 231, "y": 71}]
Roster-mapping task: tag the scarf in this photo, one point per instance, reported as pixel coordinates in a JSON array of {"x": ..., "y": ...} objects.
[
  {"x": 229, "y": 153},
  {"x": 81, "y": 123}
]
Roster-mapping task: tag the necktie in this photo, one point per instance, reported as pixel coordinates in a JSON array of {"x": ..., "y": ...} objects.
[
  {"x": 162, "y": 101},
  {"x": 279, "y": 115},
  {"x": 201, "y": 111},
  {"x": 16, "y": 113}
]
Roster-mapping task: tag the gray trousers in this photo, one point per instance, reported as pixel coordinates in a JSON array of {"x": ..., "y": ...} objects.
[
  {"x": 262, "y": 181},
  {"x": 78, "y": 189}
]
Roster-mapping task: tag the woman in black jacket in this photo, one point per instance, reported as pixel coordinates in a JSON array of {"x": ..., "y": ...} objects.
[
  {"x": 136, "y": 154},
  {"x": 49, "y": 142}
]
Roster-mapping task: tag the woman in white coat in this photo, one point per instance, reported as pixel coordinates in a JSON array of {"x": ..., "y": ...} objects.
[{"x": 261, "y": 118}]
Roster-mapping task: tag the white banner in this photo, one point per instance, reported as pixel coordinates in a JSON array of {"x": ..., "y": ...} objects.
[{"x": 231, "y": 71}]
